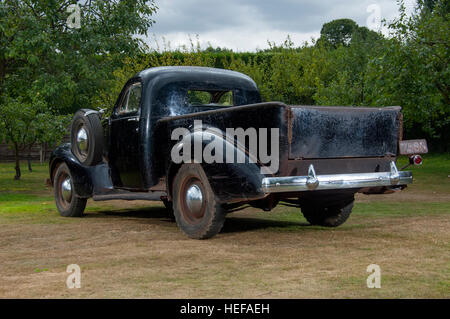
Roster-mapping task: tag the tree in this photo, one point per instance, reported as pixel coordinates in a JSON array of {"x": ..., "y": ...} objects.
[
  {"x": 16, "y": 127},
  {"x": 43, "y": 55},
  {"x": 348, "y": 65},
  {"x": 338, "y": 32},
  {"x": 24, "y": 123},
  {"x": 67, "y": 66},
  {"x": 413, "y": 72},
  {"x": 50, "y": 129}
]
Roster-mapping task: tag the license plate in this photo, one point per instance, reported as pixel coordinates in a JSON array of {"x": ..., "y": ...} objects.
[{"x": 412, "y": 147}]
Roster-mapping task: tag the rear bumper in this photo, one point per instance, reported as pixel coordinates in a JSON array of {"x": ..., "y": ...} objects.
[{"x": 336, "y": 181}]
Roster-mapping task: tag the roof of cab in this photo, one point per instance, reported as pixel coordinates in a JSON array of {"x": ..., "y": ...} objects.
[{"x": 198, "y": 74}]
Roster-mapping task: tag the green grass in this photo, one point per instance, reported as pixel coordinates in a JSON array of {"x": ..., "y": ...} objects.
[
  {"x": 30, "y": 199},
  {"x": 30, "y": 182},
  {"x": 432, "y": 175}
]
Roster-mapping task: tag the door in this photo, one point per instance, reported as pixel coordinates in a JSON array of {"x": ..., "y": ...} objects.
[{"x": 125, "y": 137}]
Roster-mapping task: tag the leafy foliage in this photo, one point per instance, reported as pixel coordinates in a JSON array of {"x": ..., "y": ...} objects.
[
  {"x": 42, "y": 56},
  {"x": 412, "y": 71},
  {"x": 338, "y": 32},
  {"x": 25, "y": 123},
  {"x": 67, "y": 66}
]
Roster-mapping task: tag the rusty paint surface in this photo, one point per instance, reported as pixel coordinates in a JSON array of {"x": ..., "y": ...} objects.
[
  {"x": 400, "y": 126},
  {"x": 289, "y": 119},
  {"x": 343, "y": 132}
]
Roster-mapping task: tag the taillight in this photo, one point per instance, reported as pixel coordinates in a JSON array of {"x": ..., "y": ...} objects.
[{"x": 416, "y": 160}]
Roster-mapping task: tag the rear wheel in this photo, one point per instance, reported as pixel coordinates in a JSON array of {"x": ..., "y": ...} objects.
[
  {"x": 67, "y": 202},
  {"x": 329, "y": 216},
  {"x": 196, "y": 210}
]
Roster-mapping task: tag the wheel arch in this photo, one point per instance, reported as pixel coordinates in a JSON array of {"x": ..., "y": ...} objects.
[{"x": 231, "y": 182}]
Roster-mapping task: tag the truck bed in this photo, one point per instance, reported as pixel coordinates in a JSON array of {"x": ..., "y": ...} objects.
[
  {"x": 340, "y": 132},
  {"x": 335, "y": 139}
]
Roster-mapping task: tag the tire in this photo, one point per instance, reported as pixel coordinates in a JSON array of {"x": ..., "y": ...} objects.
[
  {"x": 330, "y": 216},
  {"x": 202, "y": 216},
  {"x": 67, "y": 202},
  {"x": 86, "y": 137}
]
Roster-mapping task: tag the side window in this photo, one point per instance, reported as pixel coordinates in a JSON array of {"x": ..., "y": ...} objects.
[{"x": 131, "y": 101}]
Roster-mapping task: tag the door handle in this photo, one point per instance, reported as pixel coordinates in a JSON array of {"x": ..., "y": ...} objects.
[{"x": 136, "y": 119}]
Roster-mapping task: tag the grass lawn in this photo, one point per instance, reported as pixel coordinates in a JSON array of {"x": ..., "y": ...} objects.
[{"x": 131, "y": 249}]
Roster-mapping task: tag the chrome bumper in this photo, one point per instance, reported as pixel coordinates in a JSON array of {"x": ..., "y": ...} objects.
[{"x": 336, "y": 181}]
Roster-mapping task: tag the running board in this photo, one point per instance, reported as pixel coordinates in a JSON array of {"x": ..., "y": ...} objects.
[{"x": 122, "y": 195}]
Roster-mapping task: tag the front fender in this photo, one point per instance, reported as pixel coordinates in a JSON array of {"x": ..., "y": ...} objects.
[{"x": 81, "y": 175}]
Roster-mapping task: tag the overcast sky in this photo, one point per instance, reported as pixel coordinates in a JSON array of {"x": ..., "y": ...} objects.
[{"x": 247, "y": 25}]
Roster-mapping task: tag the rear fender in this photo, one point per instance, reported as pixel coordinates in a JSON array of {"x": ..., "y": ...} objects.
[{"x": 231, "y": 182}]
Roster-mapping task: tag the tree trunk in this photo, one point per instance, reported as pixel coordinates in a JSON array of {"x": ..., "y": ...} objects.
[
  {"x": 29, "y": 159},
  {"x": 16, "y": 156},
  {"x": 44, "y": 152},
  {"x": 41, "y": 153}
]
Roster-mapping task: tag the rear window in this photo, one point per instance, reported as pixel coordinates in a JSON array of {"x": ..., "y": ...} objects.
[{"x": 209, "y": 98}]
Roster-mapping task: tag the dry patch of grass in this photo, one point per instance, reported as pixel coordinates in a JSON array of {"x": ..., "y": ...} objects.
[
  {"x": 133, "y": 250},
  {"x": 141, "y": 253}
]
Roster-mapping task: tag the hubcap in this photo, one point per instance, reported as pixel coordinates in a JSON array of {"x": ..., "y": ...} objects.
[
  {"x": 194, "y": 199},
  {"x": 66, "y": 189},
  {"x": 82, "y": 141}
]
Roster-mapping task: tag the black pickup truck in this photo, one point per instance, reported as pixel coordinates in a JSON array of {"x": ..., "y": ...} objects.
[{"x": 200, "y": 140}]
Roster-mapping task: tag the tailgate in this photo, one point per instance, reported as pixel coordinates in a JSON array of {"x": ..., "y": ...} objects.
[{"x": 338, "y": 132}]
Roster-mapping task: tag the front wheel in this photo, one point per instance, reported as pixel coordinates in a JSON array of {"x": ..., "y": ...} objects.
[
  {"x": 196, "y": 210},
  {"x": 330, "y": 216},
  {"x": 67, "y": 202}
]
